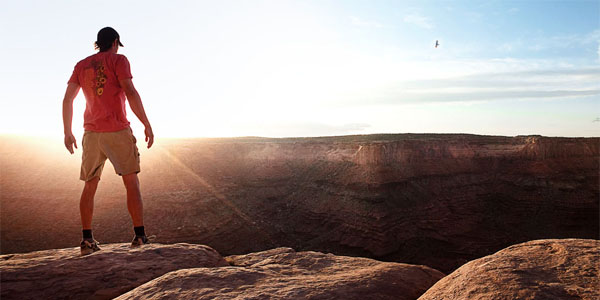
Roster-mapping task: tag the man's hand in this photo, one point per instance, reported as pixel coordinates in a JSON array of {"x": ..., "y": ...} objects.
[
  {"x": 149, "y": 136},
  {"x": 69, "y": 142}
]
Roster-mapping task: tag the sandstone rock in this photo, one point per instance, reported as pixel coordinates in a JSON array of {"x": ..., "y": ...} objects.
[
  {"x": 283, "y": 273},
  {"x": 542, "y": 269},
  {"x": 429, "y": 199},
  {"x": 105, "y": 274}
]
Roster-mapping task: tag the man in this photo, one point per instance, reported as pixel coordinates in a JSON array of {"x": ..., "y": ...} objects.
[{"x": 105, "y": 79}]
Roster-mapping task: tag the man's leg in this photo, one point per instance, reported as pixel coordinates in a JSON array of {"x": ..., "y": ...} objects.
[
  {"x": 134, "y": 199},
  {"x": 86, "y": 203}
]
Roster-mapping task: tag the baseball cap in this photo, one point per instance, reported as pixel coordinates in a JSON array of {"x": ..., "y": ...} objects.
[{"x": 108, "y": 35}]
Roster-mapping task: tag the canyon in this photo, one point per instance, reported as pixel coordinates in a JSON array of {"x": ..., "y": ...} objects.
[{"x": 438, "y": 200}]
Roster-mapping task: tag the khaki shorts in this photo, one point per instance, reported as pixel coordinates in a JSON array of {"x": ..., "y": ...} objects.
[{"x": 119, "y": 147}]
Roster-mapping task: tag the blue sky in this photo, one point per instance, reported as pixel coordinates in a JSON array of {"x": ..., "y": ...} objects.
[{"x": 312, "y": 68}]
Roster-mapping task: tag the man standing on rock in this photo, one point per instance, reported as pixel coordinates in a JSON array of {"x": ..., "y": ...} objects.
[{"x": 105, "y": 79}]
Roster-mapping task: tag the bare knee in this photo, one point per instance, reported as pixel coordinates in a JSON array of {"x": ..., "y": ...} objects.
[
  {"x": 89, "y": 190},
  {"x": 92, "y": 183},
  {"x": 131, "y": 180}
]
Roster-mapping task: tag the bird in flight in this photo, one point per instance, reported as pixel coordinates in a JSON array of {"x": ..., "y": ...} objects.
[{"x": 436, "y": 43}]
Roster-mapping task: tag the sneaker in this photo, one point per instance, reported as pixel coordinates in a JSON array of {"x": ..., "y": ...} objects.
[
  {"x": 140, "y": 240},
  {"x": 89, "y": 246}
]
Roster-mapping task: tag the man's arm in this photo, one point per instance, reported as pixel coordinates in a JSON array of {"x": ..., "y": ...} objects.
[
  {"x": 135, "y": 102},
  {"x": 70, "y": 94}
]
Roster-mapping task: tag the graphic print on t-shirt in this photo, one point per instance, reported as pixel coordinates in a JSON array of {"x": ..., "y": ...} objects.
[
  {"x": 100, "y": 78},
  {"x": 99, "y": 75}
]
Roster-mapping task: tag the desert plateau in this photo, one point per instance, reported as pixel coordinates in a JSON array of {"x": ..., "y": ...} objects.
[{"x": 382, "y": 216}]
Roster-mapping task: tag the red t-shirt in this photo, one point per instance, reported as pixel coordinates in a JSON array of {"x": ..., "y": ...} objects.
[{"x": 99, "y": 75}]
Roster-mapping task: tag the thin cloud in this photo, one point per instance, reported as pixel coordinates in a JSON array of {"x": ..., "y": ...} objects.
[
  {"x": 352, "y": 127},
  {"x": 524, "y": 85},
  {"x": 592, "y": 37},
  {"x": 299, "y": 128},
  {"x": 565, "y": 41},
  {"x": 419, "y": 20},
  {"x": 484, "y": 96},
  {"x": 584, "y": 78},
  {"x": 513, "y": 10},
  {"x": 362, "y": 23},
  {"x": 473, "y": 16}
]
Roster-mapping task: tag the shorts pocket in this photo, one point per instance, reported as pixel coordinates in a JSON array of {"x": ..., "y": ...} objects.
[{"x": 132, "y": 136}]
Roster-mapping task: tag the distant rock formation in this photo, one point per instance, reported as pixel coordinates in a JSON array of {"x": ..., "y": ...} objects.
[
  {"x": 186, "y": 271},
  {"x": 542, "y": 269},
  {"x": 116, "y": 269},
  {"x": 436, "y": 200},
  {"x": 428, "y": 199}
]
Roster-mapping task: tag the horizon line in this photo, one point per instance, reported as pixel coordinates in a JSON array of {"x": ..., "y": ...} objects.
[{"x": 59, "y": 136}]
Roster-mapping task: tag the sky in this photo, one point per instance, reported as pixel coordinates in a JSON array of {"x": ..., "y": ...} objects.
[{"x": 315, "y": 68}]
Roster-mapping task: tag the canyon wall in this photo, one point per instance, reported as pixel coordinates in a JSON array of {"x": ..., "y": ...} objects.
[{"x": 431, "y": 199}]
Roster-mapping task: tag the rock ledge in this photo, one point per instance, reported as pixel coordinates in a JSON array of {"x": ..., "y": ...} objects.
[{"x": 541, "y": 269}]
